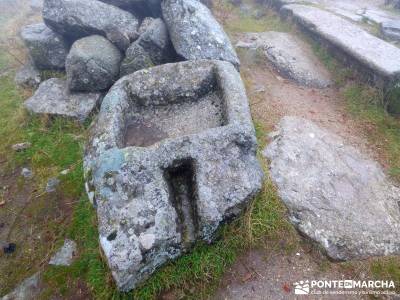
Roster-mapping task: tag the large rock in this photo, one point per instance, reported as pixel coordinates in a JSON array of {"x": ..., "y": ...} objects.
[
  {"x": 76, "y": 19},
  {"x": 171, "y": 157},
  {"x": 375, "y": 59},
  {"x": 195, "y": 33},
  {"x": 92, "y": 64},
  {"x": 335, "y": 196},
  {"x": 143, "y": 8},
  {"x": 53, "y": 98},
  {"x": 291, "y": 57},
  {"x": 151, "y": 49},
  {"x": 28, "y": 76},
  {"x": 47, "y": 48}
]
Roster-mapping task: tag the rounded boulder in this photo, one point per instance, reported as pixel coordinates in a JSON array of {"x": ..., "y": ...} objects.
[{"x": 92, "y": 64}]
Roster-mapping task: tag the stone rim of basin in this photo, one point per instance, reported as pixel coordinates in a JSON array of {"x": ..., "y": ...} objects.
[{"x": 153, "y": 203}]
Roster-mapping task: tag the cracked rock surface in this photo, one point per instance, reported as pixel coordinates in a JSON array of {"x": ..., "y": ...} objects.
[
  {"x": 171, "y": 157},
  {"x": 92, "y": 64},
  {"x": 335, "y": 196}
]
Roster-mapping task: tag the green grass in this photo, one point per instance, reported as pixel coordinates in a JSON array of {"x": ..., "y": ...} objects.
[
  {"x": 340, "y": 74},
  {"x": 56, "y": 146},
  {"x": 364, "y": 103},
  {"x": 236, "y": 21},
  {"x": 387, "y": 269}
]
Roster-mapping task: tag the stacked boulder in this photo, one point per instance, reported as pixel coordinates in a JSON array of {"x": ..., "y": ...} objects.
[{"x": 97, "y": 42}]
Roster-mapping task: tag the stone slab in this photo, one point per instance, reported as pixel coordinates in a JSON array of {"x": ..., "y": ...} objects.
[
  {"x": 290, "y": 56},
  {"x": 335, "y": 195},
  {"x": 53, "y": 98},
  {"x": 370, "y": 52}
]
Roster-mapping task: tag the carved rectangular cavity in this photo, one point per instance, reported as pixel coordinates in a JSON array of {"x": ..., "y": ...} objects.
[
  {"x": 151, "y": 124},
  {"x": 181, "y": 183}
]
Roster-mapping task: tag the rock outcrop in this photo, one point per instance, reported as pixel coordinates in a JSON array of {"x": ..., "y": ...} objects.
[
  {"x": 92, "y": 64},
  {"x": 151, "y": 49},
  {"x": 334, "y": 195},
  {"x": 289, "y": 56},
  {"x": 53, "y": 98},
  {"x": 195, "y": 33},
  {"x": 76, "y": 19},
  {"x": 171, "y": 157},
  {"x": 47, "y": 49},
  {"x": 375, "y": 59}
]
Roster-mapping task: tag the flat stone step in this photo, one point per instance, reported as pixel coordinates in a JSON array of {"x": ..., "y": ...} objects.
[
  {"x": 343, "y": 200},
  {"x": 291, "y": 57},
  {"x": 377, "y": 60}
]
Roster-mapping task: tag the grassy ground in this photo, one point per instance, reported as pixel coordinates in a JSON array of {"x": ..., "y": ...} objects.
[
  {"x": 254, "y": 18},
  {"x": 58, "y": 145}
]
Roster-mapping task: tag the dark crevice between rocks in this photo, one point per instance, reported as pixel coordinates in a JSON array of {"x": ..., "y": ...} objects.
[{"x": 181, "y": 180}]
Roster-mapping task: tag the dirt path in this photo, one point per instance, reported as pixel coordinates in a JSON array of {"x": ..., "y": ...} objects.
[{"x": 270, "y": 273}]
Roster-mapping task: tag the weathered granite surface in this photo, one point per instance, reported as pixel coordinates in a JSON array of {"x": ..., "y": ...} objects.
[
  {"x": 92, "y": 64},
  {"x": 195, "y": 33},
  {"x": 151, "y": 49},
  {"x": 171, "y": 157},
  {"x": 377, "y": 56},
  {"x": 143, "y": 8},
  {"x": 28, "y": 76},
  {"x": 76, "y": 19},
  {"x": 53, "y": 98},
  {"x": 47, "y": 49},
  {"x": 289, "y": 56},
  {"x": 335, "y": 196}
]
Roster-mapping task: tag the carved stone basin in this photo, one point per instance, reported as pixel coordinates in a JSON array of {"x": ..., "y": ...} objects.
[{"x": 171, "y": 157}]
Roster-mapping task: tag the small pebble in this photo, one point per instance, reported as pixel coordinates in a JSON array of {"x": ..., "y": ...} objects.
[
  {"x": 65, "y": 172},
  {"x": 52, "y": 185},
  {"x": 21, "y": 146},
  {"x": 25, "y": 172}
]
